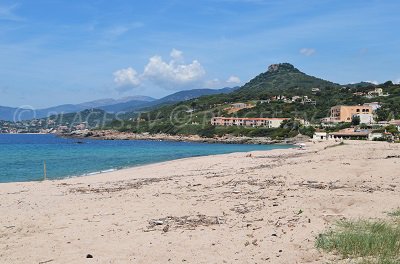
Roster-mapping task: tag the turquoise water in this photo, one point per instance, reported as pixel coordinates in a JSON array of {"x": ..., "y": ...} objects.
[{"x": 22, "y": 155}]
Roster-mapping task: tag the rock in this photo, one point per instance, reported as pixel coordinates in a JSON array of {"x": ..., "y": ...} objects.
[
  {"x": 89, "y": 256},
  {"x": 166, "y": 228}
]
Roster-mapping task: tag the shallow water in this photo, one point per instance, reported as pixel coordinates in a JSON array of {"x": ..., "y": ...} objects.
[{"x": 22, "y": 155}]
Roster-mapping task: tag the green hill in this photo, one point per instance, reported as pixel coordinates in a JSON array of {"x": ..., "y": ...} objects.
[
  {"x": 280, "y": 78},
  {"x": 282, "y": 91}
]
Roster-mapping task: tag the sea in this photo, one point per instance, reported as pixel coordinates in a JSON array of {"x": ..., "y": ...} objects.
[{"x": 22, "y": 156}]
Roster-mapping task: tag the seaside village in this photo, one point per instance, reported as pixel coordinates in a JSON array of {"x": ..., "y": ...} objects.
[{"x": 358, "y": 120}]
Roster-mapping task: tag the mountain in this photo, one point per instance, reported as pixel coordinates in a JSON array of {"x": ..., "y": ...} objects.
[
  {"x": 126, "y": 104},
  {"x": 13, "y": 113},
  {"x": 122, "y": 107},
  {"x": 110, "y": 101},
  {"x": 282, "y": 77},
  {"x": 190, "y": 94},
  {"x": 282, "y": 92},
  {"x": 93, "y": 117},
  {"x": 360, "y": 85},
  {"x": 181, "y": 96},
  {"x": 7, "y": 113}
]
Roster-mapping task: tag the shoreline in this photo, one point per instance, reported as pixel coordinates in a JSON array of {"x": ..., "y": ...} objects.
[
  {"x": 117, "y": 135},
  {"x": 265, "y": 207},
  {"x": 127, "y": 168}
]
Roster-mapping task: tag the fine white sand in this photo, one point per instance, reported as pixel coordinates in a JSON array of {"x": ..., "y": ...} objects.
[{"x": 234, "y": 208}]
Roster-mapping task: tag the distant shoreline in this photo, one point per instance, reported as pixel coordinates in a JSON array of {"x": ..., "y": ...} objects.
[{"x": 117, "y": 135}]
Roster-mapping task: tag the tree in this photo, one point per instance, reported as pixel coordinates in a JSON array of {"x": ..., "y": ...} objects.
[{"x": 355, "y": 121}]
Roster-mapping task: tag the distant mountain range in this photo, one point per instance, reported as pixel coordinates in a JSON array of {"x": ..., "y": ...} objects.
[{"x": 126, "y": 104}]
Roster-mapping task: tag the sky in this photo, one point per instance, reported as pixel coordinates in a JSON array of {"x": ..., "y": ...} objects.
[{"x": 67, "y": 51}]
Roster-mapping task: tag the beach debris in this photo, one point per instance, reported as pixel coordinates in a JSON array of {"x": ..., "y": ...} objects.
[
  {"x": 393, "y": 157},
  {"x": 89, "y": 256},
  {"x": 158, "y": 222},
  {"x": 321, "y": 185},
  {"x": 185, "y": 222},
  {"x": 165, "y": 229},
  {"x": 118, "y": 186},
  {"x": 47, "y": 261}
]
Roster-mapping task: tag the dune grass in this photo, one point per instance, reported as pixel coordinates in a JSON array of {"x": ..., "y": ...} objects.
[
  {"x": 368, "y": 241},
  {"x": 395, "y": 213}
]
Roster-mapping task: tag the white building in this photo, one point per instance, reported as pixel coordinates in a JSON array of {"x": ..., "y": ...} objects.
[
  {"x": 365, "y": 118},
  {"x": 320, "y": 136},
  {"x": 374, "y": 105}
]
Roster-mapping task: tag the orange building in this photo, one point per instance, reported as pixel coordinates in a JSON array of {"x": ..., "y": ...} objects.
[
  {"x": 343, "y": 113},
  {"x": 249, "y": 122}
]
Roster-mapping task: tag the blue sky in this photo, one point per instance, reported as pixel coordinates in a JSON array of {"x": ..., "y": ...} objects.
[{"x": 55, "y": 51}]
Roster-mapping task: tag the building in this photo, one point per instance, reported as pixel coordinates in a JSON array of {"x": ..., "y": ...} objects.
[
  {"x": 248, "y": 122},
  {"x": 395, "y": 123},
  {"x": 348, "y": 133},
  {"x": 239, "y": 105},
  {"x": 354, "y": 134},
  {"x": 376, "y": 92},
  {"x": 343, "y": 113},
  {"x": 375, "y": 135},
  {"x": 315, "y": 90},
  {"x": 318, "y": 135},
  {"x": 235, "y": 107},
  {"x": 375, "y": 105},
  {"x": 365, "y": 118}
]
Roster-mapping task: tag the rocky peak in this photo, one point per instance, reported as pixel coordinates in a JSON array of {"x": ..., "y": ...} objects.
[{"x": 281, "y": 66}]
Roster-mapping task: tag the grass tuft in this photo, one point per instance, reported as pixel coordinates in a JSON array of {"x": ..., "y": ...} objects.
[
  {"x": 395, "y": 213},
  {"x": 375, "y": 242}
]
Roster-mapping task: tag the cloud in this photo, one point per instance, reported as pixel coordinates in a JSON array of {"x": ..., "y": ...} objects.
[
  {"x": 119, "y": 30},
  {"x": 217, "y": 83},
  {"x": 173, "y": 74},
  {"x": 7, "y": 13},
  {"x": 373, "y": 82},
  {"x": 307, "y": 51},
  {"x": 233, "y": 79},
  {"x": 127, "y": 78},
  {"x": 176, "y": 55},
  {"x": 397, "y": 81},
  {"x": 214, "y": 83}
]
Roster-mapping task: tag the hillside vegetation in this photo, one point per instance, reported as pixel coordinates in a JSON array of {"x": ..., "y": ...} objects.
[{"x": 280, "y": 81}]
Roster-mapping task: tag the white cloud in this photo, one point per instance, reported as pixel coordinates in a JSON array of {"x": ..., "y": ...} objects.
[
  {"x": 217, "y": 83},
  {"x": 119, "y": 30},
  {"x": 397, "y": 81},
  {"x": 174, "y": 73},
  {"x": 214, "y": 83},
  {"x": 126, "y": 78},
  {"x": 176, "y": 55},
  {"x": 307, "y": 51},
  {"x": 233, "y": 79},
  {"x": 7, "y": 13}
]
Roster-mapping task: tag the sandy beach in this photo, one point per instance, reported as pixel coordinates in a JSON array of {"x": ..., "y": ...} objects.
[{"x": 258, "y": 207}]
